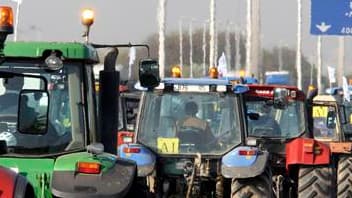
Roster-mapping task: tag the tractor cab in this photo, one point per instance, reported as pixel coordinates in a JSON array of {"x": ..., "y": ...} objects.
[
  {"x": 332, "y": 116},
  {"x": 328, "y": 118},
  {"x": 275, "y": 112},
  {"x": 190, "y": 115}
]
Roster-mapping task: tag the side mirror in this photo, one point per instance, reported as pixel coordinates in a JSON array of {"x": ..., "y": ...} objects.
[
  {"x": 331, "y": 120},
  {"x": 149, "y": 73},
  {"x": 33, "y": 112},
  {"x": 280, "y": 98}
]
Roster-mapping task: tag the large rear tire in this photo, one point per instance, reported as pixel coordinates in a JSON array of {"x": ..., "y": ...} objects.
[
  {"x": 316, "y": 181},
  {"x": 344, "y": 177},
  {"x": 257, "y": 187}
]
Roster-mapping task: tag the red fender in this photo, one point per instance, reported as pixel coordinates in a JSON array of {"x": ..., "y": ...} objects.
[
  {"x": 7, "y": 182},
  {"x": 307, "y": 151}
]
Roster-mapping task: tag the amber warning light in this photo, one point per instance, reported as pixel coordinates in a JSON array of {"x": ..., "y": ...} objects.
[
  {"x": 176, "y": 72},
  {"x": 213, "y": 72},
  {"x": 87, "y": 17},
  {"x": 6, "y": 20}
]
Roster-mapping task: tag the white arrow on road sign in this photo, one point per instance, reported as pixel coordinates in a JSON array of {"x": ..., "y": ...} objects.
[{"x": 323, "y": 27}]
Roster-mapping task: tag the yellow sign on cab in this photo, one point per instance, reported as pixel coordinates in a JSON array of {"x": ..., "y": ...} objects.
[
  {"x": 320, "y": 111},
  {"x": 168, "y": 145}
]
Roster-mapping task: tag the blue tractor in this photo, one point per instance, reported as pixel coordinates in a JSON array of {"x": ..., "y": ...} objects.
[{"x": 190, "y": 139}]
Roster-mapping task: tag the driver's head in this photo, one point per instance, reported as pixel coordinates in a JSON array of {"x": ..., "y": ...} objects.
[
  {"x": 15, "y": 83},
  {"x": 191, "y": 108}
]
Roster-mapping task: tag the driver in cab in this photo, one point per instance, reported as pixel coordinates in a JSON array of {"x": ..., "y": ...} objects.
[
  {"x": 192, "y": 121},
  {"x": 266, "y": 124}
]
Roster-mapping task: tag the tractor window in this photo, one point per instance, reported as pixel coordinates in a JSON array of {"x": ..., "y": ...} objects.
[
  {"x": 129, "y": 110},
  {"x": 273, "y": 122},
  {"x": 188, "y": 123},
  {"x": 65, "y": 117}
]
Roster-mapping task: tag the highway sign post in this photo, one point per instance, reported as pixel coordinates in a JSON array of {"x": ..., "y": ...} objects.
[{"x": 331, "y": 17}]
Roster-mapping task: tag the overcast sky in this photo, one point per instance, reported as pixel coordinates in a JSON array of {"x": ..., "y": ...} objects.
[{"x": 122, "y": 21}]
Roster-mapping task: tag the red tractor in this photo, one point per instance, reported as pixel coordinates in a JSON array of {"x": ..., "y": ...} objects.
[{"x": 278, "y": 122}]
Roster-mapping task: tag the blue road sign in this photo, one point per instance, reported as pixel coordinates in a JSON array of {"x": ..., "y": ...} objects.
[{"x": 331, "y": 17}]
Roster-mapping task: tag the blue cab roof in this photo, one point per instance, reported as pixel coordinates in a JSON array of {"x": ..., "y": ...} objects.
[
  {"x": 208, "y": 81},
  {"x": 195, "y": 81},
  {"x": 247, "y": 79},
  {"x": 335, "y": 90}
]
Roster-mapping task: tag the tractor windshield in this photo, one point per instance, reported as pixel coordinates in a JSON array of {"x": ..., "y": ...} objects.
[
  {"x": 189, "y": 123},
  {"x": 273, "y": 122},
  {"x": 65, "y": 122}
]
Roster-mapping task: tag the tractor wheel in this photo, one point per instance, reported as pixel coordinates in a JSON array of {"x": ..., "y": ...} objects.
[
  {"x": 256, "y": 187},
  {"x": 316, "y": 181},
  {"x": 344, "y": 177}
]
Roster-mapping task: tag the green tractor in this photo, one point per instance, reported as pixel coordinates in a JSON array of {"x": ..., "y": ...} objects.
[{"x": 50, "y": 131}]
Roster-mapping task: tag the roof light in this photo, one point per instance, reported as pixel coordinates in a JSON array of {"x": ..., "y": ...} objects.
[
  {"x": 6, "y": 19},
  {"x": 53, "y": 62},
  {"x": 88, "y": 167},
  {"x": 6, "y": 24},
  {"x": 213, "y": 72},
  {"x": 311, "y": 87},
  {"x": 176, "y": 72},
  {"x": 87, "y": 17},
  {"x": 242, "y": 73}
]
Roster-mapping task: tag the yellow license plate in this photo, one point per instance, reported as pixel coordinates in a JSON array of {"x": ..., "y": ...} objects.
[{"x": 168, "y": 145}]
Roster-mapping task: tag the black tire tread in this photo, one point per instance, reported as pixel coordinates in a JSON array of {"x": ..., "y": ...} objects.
[
  {"x": 344, "y": 177},
  {"x": 256, "y": 187},
  {"x": 315, "y": 181}
]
